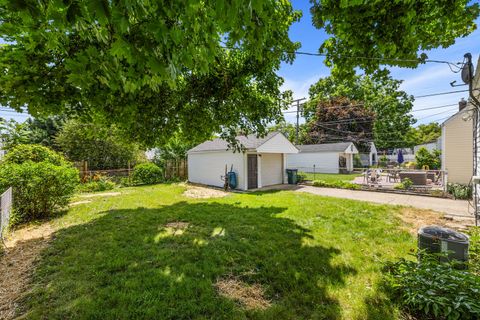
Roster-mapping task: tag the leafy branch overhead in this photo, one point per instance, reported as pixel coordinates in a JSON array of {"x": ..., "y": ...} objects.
[
  {"x": 149, "y": 66},
  {"x": 369, "y": 34}
]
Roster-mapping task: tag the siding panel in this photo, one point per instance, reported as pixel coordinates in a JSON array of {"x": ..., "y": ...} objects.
[{"x": 207, "y": 167}]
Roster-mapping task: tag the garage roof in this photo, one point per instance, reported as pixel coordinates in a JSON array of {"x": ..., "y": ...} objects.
[
  {"x": 325, "y": 147},
  {"x": 249, "y": 142}
]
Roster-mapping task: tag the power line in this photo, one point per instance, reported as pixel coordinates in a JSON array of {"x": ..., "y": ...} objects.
[
  {"x": 437, "y": 107},
  {"x": 318, "y": 54}
]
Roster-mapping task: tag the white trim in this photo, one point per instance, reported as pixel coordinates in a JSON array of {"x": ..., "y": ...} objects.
[{"x": 259, "y": 170}]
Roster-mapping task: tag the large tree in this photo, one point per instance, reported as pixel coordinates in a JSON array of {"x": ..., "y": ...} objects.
[
  {"x": 424, "y": 133},
  {"x": 103, "y": 147},
  {"x": 381, "y": 96},
  {"x": 369, "y": 34},
  {"x": 340, "y": 119},
  {"x": 149, "y": 66}
]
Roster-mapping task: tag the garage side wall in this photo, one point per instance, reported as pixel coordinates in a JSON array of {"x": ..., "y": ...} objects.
[
  {"x": 325, "y": 162},
  {"x": 207, "y": 167}
]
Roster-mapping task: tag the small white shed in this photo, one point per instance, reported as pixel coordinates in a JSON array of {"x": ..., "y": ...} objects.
[
  {"x": 323, "y": 158},
  {"x": 369, "y": 156},
  {"x": 262, "y": 163}
]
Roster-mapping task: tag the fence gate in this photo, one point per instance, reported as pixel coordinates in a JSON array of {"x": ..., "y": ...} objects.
[{"x": 6, "y": 200}]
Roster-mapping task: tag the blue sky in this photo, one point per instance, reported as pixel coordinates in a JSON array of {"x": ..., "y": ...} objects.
[{"x": 428, "y": 78}]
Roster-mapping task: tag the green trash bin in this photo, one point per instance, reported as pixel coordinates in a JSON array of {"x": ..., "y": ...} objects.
[{"x": 292, "y": 176}]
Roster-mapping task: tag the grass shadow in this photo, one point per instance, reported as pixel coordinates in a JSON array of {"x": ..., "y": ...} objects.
[{"x": 135, "y": 264}]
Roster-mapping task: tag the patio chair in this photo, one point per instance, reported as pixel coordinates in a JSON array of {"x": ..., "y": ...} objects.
[{"x": 393, "y": 175}]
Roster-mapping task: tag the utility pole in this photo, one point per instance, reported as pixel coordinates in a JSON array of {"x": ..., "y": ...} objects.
[
  {"x": 297, "y": 101},
  {"x": 468, "y": 77}
]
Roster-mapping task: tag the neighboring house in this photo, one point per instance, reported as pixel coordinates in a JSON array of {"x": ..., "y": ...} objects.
[
  {"x": 457, "y": 145},
  {"x": 325, "y": 158},
  {"x": 262, "y": 163},
  {"x": 369, "y": 157},
  {"x": 430, "y": 146}
]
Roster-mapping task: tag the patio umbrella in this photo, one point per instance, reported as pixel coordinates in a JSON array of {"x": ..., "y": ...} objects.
[{"x": 400, "y": 157}]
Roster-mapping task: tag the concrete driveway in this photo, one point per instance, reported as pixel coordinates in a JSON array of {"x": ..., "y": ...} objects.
[{"x": 451, "y": 208}]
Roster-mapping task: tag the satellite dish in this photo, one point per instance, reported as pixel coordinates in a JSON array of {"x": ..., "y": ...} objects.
[{"x": 467, "y": 73}]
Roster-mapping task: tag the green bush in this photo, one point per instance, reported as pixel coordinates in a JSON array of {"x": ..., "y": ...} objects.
[
  {"x": 33, "y": 152},
  {"x": 39, "y": 189},
  {"x": 301, "y": 177},
  {"x": 474, "y": 250},
  {"x": 336, "y": 184},
  {"x": 404, "y": 185},
  {"x": 460, "y": 191},
  {"x": 357, "y": 161},
  {"x": 433, "y": 290},
  {"x": 383, "y": 161},
  {"x": 96, "y": 183},
  {"x": 147, "y": 173},
  {"x": 424, "y": 158}
]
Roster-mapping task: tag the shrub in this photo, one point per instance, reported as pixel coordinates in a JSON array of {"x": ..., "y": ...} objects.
[
  {"x": 460, "y": 191},
  {"x": 96, "y": 183},
  {"x": 357, "y": 161},
  {"x": 39, "y": 189},
  {"x": 404, "y": 185},
  {"x": 147, "y": 173},
  {"x": 33, "y": 152},
  {"x": 474, "y": 250},
  {"x": 424, "y": 158},
  {"x": 336, "y": 184},
  {"x": 301, "y": 177},
  {"x": 433, "y": 289},
  {"x": 383, "y": 161}
]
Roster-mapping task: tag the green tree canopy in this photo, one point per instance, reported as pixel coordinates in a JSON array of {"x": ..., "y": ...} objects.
[
  {"x": 289, "y": 130},
  {"x": 390, "y": 119},
  {"x": 424, "y": 133},
  {"x": 369, "y": 34},
  {"x": 103, "y": 147},
  {"x": 151, "y": 67}
]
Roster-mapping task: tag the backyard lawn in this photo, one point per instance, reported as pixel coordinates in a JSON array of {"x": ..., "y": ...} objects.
[
  {"x": 153, "y": 253},
  {"x": 331, "y": 177}
]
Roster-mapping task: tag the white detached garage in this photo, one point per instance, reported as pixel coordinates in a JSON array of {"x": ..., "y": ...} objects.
[
  {"x": 262, "y": 163},
  {"x": 323, "y": 158}
]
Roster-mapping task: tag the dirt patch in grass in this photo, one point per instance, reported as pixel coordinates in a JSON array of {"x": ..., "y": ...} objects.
[
  {"x": 249, "y": 296},
  {"x": 417, "y": 218},
  {"x": 177, "y": 225},
  {"x": 203, "y": 193},
  {"x": 76, "y": 203},
  {"x": 103, "y": 194},
  {"x": 17, "y": 263}
]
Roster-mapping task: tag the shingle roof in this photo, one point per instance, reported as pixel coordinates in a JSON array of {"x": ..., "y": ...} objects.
[
  {"x": 249, "y": 142},
  {"x": 325, "y": 147}
]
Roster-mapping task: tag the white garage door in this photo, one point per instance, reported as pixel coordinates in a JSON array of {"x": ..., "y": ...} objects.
[{"x": 272, "y": 169}]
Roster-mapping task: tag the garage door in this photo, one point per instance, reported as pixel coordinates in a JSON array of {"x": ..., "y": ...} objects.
[{"x": 272, "y": 168}]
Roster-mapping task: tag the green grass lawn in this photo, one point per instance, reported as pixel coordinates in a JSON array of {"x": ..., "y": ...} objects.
[
  {"x": 315, "y": 257},
  {"x": 331, "y": 177}
]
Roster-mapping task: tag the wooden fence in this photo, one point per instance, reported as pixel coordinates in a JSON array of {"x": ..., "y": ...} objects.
[
  {"x": 176, "y": 169},
  {"x": 172, "y": 169}
]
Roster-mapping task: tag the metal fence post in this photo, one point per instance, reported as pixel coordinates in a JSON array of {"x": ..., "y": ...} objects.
[{"x": 314, "y": 172}]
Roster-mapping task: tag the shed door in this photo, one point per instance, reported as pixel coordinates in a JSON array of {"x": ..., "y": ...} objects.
[{"x": 252, "y": 171}]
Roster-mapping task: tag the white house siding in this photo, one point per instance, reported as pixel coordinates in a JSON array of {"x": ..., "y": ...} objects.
[
  {"x": 457, "y": 150},
  {"x": 208, "y": 167},
  {"x": 277, "y": 144},
  {"x": 271, "y": 168},
  {"x": 325, "y": 162}
]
